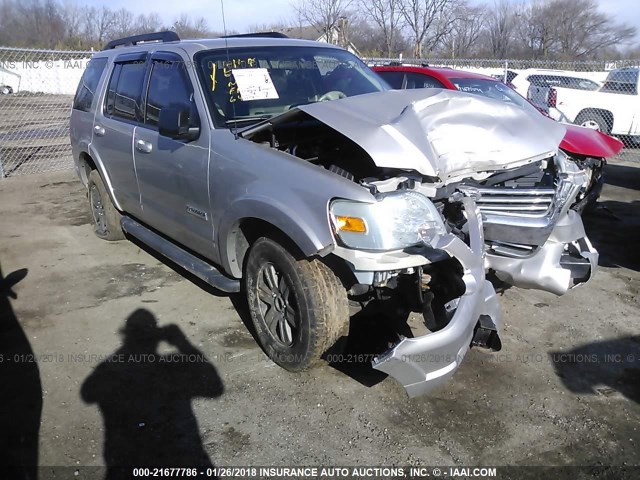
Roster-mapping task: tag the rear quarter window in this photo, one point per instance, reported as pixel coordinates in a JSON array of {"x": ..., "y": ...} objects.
[{"x": 86, "y": 91}]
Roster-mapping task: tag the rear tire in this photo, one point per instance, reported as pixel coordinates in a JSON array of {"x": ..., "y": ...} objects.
[
  {"x": 106, "y": 219},
  {"x": 593, "y": 120},
  {"x": 299, "y": 307}
]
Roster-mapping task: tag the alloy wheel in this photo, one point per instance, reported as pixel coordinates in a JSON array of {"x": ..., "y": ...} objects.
[{"x": 277, "y": 305}]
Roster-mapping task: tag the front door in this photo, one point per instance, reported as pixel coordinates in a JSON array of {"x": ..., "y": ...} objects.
[{"x": 173, "y": 174}]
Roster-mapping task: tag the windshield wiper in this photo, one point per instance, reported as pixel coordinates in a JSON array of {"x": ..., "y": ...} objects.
[{"x": 248, "y": 119}]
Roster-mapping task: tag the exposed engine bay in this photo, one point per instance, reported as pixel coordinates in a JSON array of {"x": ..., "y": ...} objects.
[{"x": 313, "y": 141}]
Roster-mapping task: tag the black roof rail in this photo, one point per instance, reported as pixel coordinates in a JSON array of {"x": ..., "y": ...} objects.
[
  {"x": 166, "y": 36},
  {"x": 257, "y": 35}
]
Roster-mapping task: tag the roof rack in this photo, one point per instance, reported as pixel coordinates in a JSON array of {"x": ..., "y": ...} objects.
[
  {"x": 161, "y": 37},
  {"x": 257, "y": 35}
]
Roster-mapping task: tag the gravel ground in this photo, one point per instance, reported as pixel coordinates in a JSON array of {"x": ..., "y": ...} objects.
[{"x": 564, "y": 390}]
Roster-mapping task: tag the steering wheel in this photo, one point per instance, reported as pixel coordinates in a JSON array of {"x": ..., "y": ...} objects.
[{"x": 332, "y": 95}]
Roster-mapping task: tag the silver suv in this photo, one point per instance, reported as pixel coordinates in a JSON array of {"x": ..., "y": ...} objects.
[{"x": 288, "y": 170}]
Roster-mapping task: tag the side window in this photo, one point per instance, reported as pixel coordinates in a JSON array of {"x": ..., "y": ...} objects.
[
  {"x": 395, "y": 79},
  {"x": 410, "y": 80},
  {"x": 416, "y": 80},
  {"x": 88, "y": 84},
  {"x": 124, "y": 97},
  {"x": 169, "y": 86}
]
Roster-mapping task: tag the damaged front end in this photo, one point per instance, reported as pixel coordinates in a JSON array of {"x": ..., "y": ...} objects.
[
  {"x": 425, "y": 362},
  {"x": 442, "y": 193},
  {"x": 430, "y": 261},
  {"x": 534, "y": 240}
]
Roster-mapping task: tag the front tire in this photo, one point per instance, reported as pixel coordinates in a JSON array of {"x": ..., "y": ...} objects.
[
  {"x": 299, "y": 307},
  {"x": 106, "y": 219}
]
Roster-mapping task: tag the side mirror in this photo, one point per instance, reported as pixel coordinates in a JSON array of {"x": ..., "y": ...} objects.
[{"x": 173, "y": 122}]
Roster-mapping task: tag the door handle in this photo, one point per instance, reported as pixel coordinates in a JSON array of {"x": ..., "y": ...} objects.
[
  {"x": 99, "y": 130},
  {"x": 144, "y": 147}
]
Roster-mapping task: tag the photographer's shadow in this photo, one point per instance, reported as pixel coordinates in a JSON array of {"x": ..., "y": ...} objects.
[
  {"x": 20, "y": 390},
  {"x": 145, "y": 398}
]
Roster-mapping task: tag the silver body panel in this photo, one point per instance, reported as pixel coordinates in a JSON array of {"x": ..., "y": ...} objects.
[{"x": 543, "y": 269}]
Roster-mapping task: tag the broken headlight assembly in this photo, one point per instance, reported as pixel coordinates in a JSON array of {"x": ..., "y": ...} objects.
[{"x": 396, "y": 221}]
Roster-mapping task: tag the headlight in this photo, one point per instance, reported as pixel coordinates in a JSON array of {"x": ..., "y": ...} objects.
[{"x": 397, "y": 220}]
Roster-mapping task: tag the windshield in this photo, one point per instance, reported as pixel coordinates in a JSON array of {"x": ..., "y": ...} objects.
[
  {"x": 246, "y": 85},
  {"x": 492, "y": 89}
]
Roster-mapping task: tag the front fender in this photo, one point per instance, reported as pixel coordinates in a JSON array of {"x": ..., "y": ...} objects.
[{"x": 307, "y": 227}]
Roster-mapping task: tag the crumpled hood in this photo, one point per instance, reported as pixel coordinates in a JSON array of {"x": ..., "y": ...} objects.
[{"x": 440, "y": 133}]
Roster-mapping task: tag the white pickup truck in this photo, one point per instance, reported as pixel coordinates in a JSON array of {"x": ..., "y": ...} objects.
[{"x": 613, "y": 109}]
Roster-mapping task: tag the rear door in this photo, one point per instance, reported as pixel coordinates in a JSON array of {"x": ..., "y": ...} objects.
[
  {"x": 173, "y": 174},
  {"x": 114, "y": 125},
  {"x": 84, "y": 106}
]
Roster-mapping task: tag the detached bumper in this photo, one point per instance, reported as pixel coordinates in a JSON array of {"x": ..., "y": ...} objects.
[
  {"x": 424, "y": 363},
  {"x": 566, "y": 260}
]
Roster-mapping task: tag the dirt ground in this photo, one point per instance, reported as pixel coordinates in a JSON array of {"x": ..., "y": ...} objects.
[{"x": 564, "y": 390}]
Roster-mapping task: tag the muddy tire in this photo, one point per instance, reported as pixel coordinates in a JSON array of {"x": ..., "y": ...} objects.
[
  {"x": 593, "y": 120},
  {"x": 106, "y": 219},
  {"x": 299, "y": 307}
]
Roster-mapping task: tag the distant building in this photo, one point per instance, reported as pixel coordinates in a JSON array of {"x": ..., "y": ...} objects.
[{"x": 337, "y": 35}]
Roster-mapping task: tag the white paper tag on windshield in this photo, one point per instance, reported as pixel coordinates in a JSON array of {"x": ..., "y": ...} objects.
[{"x": 254, "y": 84}]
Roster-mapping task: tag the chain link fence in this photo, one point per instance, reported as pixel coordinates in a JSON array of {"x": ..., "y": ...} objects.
[
  {"x": 36, "y": 92},
  {"x": 37, "y": 88}
]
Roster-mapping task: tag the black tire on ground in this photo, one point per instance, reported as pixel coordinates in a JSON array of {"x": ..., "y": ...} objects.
[
  {"x": 593, "y": 119},
  {"x": 106, "y": 219},
  {"x": 299, "y": 307}
]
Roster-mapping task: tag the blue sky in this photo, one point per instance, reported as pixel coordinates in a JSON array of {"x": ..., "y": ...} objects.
[{"x": 241, "y": 14}]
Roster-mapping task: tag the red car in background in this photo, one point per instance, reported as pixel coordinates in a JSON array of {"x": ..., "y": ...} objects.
[{"x": 588, "y": 148}]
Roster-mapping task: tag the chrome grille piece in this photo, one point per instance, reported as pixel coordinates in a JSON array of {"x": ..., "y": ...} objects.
[{"x": 520, "y": 202}]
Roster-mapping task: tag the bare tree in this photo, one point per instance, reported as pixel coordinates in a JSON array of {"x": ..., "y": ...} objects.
[
  {"x": 99, "y": 24},
  {"x": 124, "y": 24},
  {"x": 428, "y": 21},
  {"x": 187, "y": 27},
  {"x": 386, "y": 15},
  {"x": 71, "y": 14},
  {"x": 580, "y": 30},
  {"x": 500, "y": 25},
  {"x": 323, "y": 14},
  {"x": 148, "y": 23},
  {"x": 468, "y": 24}
]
